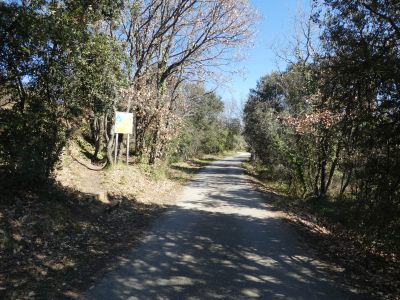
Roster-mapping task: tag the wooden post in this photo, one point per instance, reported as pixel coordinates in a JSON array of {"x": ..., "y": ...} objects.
[
  {"x": 116, "y": 148},
  {"x": 127, "y": 150}
]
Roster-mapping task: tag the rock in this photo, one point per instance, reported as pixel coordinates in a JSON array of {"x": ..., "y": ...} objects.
[{"x": 103, "y": 198}]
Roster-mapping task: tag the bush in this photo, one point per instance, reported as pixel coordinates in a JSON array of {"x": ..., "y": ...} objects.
[{"x": 31, "y": 143}]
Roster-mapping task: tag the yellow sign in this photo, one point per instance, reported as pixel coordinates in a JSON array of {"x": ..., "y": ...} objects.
[{"x": 123, "y": 122}]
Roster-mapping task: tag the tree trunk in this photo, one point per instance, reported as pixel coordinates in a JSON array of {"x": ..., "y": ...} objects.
[
  {"x": 110, "y": 148},
  {"x": 110, "y": 135},
  {"x": 345, "y": 182},
  {"x": 333, "y": 167},
  {"x": 121, "y": 146},
  {"x": 97, "y": 127},
  {"x": 139, "y": 134},
  {"x": 139, "y": 143},
  {"x": 316, "y": 189},
  {"x": 322, "y": 189},
  {"x": 154, "y": 144}
]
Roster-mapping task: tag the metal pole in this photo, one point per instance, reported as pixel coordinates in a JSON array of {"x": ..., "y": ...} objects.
[
  {"x": 116, "y": 148},
  {"x": 127, "y": 150}
]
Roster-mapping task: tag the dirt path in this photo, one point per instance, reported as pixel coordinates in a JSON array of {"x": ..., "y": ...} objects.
[
  {"x": 78, "y": 173},
  {"x": 221, "y": 240}
]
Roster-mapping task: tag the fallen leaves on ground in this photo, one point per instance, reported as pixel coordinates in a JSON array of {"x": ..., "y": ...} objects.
[
  {"x": 52, "y": 248},
  {"x": 365, "y": 268}
]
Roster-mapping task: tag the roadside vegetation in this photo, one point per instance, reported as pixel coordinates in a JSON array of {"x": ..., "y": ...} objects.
[
  {"x": 58, "y": 237},
  {"x": 327, "y": 127},
  {"x": 324, "y": 133},
  {"x": 66, "y": 67}
]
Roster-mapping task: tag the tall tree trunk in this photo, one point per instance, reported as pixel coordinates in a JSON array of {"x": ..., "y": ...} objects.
[
  {"x": 345, "y": 181},
  {"x": 333, "y": 167},
  {"x": 110, "y": 136},
  {"x": 97, "y": 127},
  {"x": 322, "y": 189},
  {"x": 316, "y": 180},
  {"x": 323, "y": 165},
  {"x": 154, "y": 145},
  {"x": 110, "y": 149},
  {"x": 139, "y": 134}
]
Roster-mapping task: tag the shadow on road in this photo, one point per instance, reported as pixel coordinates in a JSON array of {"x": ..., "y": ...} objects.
[
  {"x": 212, "y": 264},
  {"x": 222, "y": 241}
]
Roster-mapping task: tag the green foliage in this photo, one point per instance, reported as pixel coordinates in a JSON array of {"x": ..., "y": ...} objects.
[
  {"x": 330, "y": 127},
  {"x": 31, "y": 143},
  {"x": 100, "y": 74},
  {"x": 361, "y": 73},
  {"x": 234, "y": 138},
  {"x": 206, "y": 130},
  {"x": 273, "y": 143},
  {"x": 74, "y": 58},
  {"x": 53, "y": 67}
]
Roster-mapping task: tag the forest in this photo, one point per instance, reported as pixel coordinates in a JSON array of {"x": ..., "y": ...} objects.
[
  {"x": 66, "y": 68},
  {"x": 70, "y": 65},
  {"x": 327, "y": 129},
  {"x": 323, "y": 132}
]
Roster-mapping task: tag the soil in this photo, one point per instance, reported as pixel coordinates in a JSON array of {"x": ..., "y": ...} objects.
[
  {"x": 53, "y": 247},
  {"x": 56, "y": 239}
]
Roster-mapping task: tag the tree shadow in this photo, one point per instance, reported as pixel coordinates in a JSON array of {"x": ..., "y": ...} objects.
[
  {"x": 185, "y": 169},
  {"x": 234, "y": 257},
  {"x": 54, "y": 239},
  {"x": 92, "y": 168},
  {"x": 222, "y": 241}
]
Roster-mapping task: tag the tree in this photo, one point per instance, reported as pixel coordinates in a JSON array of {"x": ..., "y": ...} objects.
[
  {"x": 44, "y": 67},
  {"x": 360, "y": 65},
  {"x": 173, "y": 41},
  {"x": 205, "y": 127},
  {"x": 335, "y": 117}
]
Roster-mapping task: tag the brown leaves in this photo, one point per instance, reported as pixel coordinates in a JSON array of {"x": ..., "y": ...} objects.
[
  {"x": 310, "y": 122},
  {"x": 368, "y": 271},
  {"x": 58, "y": 240}
]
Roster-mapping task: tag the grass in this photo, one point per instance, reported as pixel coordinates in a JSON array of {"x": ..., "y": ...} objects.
[
  {"x": 262, "y": 175},
  {"x": 334, "y": 211},
  {"x": 335, "y": 228},
  {"x": 181, "y": 171}
]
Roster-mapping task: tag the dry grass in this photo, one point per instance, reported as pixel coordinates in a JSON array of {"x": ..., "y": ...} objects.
[
  {"x": 159, "y": 184},
  {"x": 150, "y": 185},
  {"x": 131, "y": 181},
  {"x": 55, "y": 239},
  {"x": 374, "y": 272}
]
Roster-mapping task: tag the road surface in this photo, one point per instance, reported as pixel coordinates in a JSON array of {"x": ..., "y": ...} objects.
[{"x": 220, "y": 241}]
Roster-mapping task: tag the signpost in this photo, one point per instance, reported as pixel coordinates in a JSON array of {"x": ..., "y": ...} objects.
[{"x": 124, "y": 125}]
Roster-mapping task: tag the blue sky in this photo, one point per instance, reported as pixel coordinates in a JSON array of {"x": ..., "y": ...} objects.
[{"x": 274, "y": 29}]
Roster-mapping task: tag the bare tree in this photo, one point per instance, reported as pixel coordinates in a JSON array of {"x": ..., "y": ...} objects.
[
  {"x": 180, "y": 39},
  {"x": 303, "y": 45}
]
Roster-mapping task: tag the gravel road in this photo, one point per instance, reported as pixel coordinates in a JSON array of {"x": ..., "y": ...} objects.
[{"x": 221, "y": 241}]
